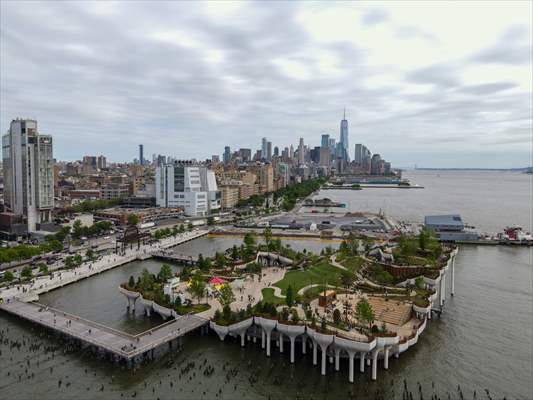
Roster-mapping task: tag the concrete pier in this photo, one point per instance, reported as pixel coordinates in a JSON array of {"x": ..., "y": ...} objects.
[{"x": 107, "y": 340}]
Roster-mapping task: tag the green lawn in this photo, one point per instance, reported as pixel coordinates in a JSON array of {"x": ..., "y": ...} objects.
[
  {"x": 352, "y": 263},
  {"x": 268, "y": 296},
  {"x": 320, "y": 274}
]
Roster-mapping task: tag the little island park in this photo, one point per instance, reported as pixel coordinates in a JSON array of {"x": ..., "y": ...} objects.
[{"x": 370, "y": 299}]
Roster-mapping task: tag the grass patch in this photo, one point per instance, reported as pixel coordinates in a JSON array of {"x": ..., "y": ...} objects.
[
  {"x": 317, "y": 274},
  {"x": 193, "y": 308},
  {"x": 353, "y": 264},
  {"x": 269, "y": 297}
]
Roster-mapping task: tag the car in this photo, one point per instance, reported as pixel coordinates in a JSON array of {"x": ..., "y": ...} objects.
[{"x": 107, "y": 237}]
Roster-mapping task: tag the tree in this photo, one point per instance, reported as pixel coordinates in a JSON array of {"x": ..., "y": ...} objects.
[
  {"x": 284, "y": 316},
  {"x": 234, "y": 253},
  {"x": 69, "y": 262},
  {"x": 78, "y": 260},
  {"x": 77, "y": 229},
  {"x": 190, "y": 226},
  {"x": 210, "y": 220},
  {"x": 347, "y": 278},
  {"x": 249, "y": 239},
  {"x": 294, "y": 315},
  {"x": 267, "y": 234},
  {"x": 220, "y": 260},
  {"x": 226, "y": 296},
  {"x": 43, "y": 268},
  {"x": 197, "y": 288},
  {"x": 336, "y": 317},
  {"x": 289, "y": 296},
  {"x": 146, "y": 280},
  {"x": 8, "y": 276},
  {"x": 165, "y": 273},
  {"x": 26, "y": 272},
  {"x": 419, "y": 282},
  {"x": 133, "y": 219},
  {"x": 90, "y": 256},
  {"x": 423, "y": 239},
  {"x": 364, "y": 312}
]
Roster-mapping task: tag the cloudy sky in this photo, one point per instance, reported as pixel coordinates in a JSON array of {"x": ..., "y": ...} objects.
[{"x": 434, "y": 84}]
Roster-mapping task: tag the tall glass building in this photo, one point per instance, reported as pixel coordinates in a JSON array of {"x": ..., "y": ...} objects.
[{"x": 344, "y": 137}]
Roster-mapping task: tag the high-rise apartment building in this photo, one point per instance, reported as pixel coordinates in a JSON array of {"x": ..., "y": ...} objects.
[
  {"x": 245, "y": 154},
  {"x": 28, "y": 167},
  {"x": 101, "y": 162},
  {"x": 141, "y": 154},
  {"x": 266, "y": 179},
  {"x": 187, "y": 185}
]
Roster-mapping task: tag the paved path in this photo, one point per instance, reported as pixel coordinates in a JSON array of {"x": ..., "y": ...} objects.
[
  {"x": 114, "y": 341},
  {"x": 302, "y": 290}
]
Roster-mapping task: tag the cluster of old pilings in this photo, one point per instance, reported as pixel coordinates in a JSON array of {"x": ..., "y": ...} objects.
[{"x": 331, "y": 345}]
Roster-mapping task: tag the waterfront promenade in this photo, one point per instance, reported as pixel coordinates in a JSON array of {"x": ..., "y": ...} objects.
[{"x": 42, "y": 284}]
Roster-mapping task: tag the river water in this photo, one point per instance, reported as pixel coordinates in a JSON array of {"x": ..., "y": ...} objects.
[{"x": 484, "y": 339}]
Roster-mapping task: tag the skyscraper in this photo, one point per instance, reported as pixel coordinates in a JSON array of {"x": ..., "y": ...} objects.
[
  {"x": 269, "y": 151},
  {"x": 264, "y": 148},
  {"x": 141, "y": 154},
  {"x": 344, "y": 137},
  {"x": 28, "y": 164},
  {"x": 325, "y": 141},
  {"x": 358, "y": 156},
  {"x": 301, "y": 152},
  {"x": 227, "y": 155}
]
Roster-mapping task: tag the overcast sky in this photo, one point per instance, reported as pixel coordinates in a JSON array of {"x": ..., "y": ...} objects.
[{"x": 433, "y": 84}]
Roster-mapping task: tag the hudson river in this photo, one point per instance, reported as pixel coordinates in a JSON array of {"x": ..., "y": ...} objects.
[{"x": 484, "y": 340}]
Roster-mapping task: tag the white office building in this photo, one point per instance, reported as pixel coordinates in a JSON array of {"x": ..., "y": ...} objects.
[
  {"x": 187, "y": 185},
  {"x": 28, "y": 173}
]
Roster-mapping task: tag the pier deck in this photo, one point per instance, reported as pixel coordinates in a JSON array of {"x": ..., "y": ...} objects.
[{"x": 119, "y": 343}]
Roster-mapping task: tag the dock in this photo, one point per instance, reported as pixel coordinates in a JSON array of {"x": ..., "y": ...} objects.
[{"x": 119, "y": 345}]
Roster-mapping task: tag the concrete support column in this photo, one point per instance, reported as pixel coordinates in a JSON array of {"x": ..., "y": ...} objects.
[
  {"x": 386, "y": 358},
  {"x": 441, "y": 299},
  {"x": 280, "y": 342},
  {"x": 268, "y": 343},
  {"x": 351, "y": 356},
  {"x": 262, "y": 339},
  {"x": 292, "y": 339},
  {"x": 444, "y": 288},
  {"x": 362, "y": 361},
  {"x": 375, "y": 364},
  {"x": 314, "y": 352},
  {"x": 337, "y": 358},
  {"x": 304, "y": 344},
  {"x": 453, "y": 277},
  {"x": 243, "y": 337},
  {"x": 323, "y": 369}
]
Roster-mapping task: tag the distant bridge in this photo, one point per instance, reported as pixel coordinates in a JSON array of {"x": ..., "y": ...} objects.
[{"x": 176, "y": 258}]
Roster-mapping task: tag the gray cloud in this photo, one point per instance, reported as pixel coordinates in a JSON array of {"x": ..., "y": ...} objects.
[
  {"x": 510, "y": 49},
  {"x": 375, "y": 16},
  {"x": 438, "y": 75},
  {"x": 187, "y": 84}
]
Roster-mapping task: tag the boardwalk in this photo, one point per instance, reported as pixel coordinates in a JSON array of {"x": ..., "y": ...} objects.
[{"x": 118, "y": 343}]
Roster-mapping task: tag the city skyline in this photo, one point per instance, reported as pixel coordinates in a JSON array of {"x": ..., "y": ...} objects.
[{"x": 443, "y": 100}]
